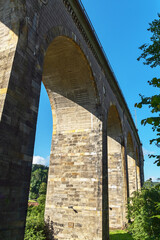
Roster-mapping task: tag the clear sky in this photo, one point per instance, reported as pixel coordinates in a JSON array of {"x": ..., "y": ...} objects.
[{"x": 121, "y": 27}]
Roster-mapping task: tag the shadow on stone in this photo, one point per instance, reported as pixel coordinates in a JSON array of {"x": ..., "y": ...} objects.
[
  {"x": 49, "y": 229},
  {"x": 52, "y": 229}
]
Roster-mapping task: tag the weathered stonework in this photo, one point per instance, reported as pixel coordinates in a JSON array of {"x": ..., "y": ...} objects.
[{"x": 96, "y": 156}]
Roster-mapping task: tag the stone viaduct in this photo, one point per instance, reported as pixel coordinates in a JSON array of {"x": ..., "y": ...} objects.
[{"x": 96, "y": 157}]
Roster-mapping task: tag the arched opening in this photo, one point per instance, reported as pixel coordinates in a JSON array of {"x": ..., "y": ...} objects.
[
  {"x": 138, "y": 171},
  {"x": 132, "y": 175},
  {"x": 74, "y": 189},
  {"x": 116, "y": 170},
  {"x": 44, "y": 130}
]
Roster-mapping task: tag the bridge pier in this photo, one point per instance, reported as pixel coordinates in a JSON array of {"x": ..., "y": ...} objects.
[
  {"x": 19, "y": 100},
  {"x": 132, "y": 166},
  {"x": 74, "y": 195},
  {"x": 117, "y": 182},
  {"x": 19, "y": 108}
]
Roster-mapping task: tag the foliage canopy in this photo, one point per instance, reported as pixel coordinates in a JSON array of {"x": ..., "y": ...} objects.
[
  {"x": 38, "y": 183},
  {"x": 35, "y": 224},
  {"x": 151, "y": 56},
  {"x": 144, "y": 213}
]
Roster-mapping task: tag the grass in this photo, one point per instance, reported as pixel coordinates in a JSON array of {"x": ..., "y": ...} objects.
[{"x": 120, "y": 235}]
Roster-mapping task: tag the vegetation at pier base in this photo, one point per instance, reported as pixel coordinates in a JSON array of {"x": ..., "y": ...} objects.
[
  {"x": 144, "y": 213},
  {"x": 151, "y": 56},
  {"x": 35, "y": 225}
]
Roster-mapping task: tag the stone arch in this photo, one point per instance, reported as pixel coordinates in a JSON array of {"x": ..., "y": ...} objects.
[
  {"x": 74, "y": 58},
  {"x": 62, "y": 32},
  {"x": 131, "y": 162},
  {"x": 116, "y": 170},
  {"x": 75, "y": 172},
  {"x": 138, "y": 170}
]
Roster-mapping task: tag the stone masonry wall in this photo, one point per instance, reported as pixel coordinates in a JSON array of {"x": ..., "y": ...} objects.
[{"x": 74, "y": 195}]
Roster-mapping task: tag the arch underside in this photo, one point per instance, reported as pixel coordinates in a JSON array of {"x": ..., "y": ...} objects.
[{"x": 75, "y": 173}]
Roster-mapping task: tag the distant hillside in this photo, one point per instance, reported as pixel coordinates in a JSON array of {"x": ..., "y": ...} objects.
[
  {"x": 38, "y": 184},
  {"x": 149, "y": 183}
]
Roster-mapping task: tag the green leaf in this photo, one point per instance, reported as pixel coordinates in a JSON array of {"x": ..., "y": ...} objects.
[{"x": 151, "y": 57}]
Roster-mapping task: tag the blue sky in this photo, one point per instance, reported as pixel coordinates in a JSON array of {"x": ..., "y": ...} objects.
[{"x": 121, "y": 27}]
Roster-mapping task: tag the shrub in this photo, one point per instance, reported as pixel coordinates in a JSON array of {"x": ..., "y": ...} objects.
[
  {"x": 143, "y": 214},
  {"x": 35, "y": 225}
]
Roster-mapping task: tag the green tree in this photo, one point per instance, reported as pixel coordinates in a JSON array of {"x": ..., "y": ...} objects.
[
  {"x": 36, "y": 228},
  {"x": 151, "y": 56},
  {"x": 35, "y": 225},
  {"x": 144, "y": 214},
  {"x": 43, "y": 188},
  {"x": 39, "y": 176}
]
